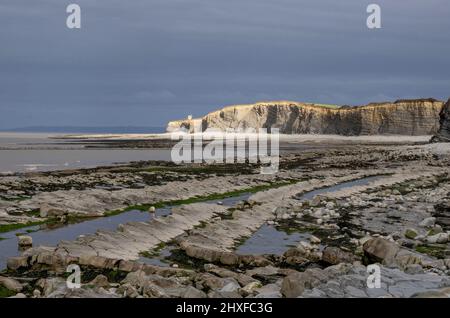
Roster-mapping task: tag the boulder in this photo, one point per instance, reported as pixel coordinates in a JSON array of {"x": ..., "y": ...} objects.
[
  {"x": 265, "y": 273},
  {"x": 208, "y": 281},
  {"x": 411, "y": 234},
  {"x": 128, "y": 291},
  {"x": 295, "y": 284},
  {"x": 269, "y": 291},
  {"x": 428, "y": 222},
  {"x": 100, "y": 281},
  {"x": 16, "y": 263},
  {"x": 11, "y": 284},
  {"x": 335, "y": 255},
  {"x": 192, "y": 292},
  {"x": 25, "y": 241},
  {"x": 218, "y": 294},
  {"x": 438, "y": 238},
  {"x": 379, "y": 250},
  {"x": 250, "y": 289},
  {"x": 52, "y": 286},
  {"x": 243, "y": 279},
  {"x": 231, "y": 286}
]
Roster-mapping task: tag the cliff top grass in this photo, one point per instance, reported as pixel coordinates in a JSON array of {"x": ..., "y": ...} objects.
[
  {"x": 279, "y": 102},
  {"x": 332, "y": 106}
]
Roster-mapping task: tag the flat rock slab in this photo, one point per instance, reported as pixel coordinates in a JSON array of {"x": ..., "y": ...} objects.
[{"x": 132, "y": 238}]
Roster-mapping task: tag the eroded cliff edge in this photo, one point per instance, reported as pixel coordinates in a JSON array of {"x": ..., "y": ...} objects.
[
  {"x": 402, "y": 117},
  {"x": 443, "y": 133}
]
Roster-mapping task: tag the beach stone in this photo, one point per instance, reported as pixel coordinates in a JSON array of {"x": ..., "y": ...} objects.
[
  {"x": 100, "y": 281},
  {"x": 127, "y": 290},
  {"x": 250, "y": 288},
  {"x": 335, "y": 255},
  {"x": 438, "y": 238},
  {"x": 25, "y": 241},
  {"x": 295, "y": 284},
  {"x": 428, "y": 222},
  {"x": 231, "y": 286},
  {"x": 243, "y": 279},
  {"x": 192, "y": 292},
  {"x": 265, "y": 272},
  {"x": 11, "y": 284},
  {"x": 18, "y": 262},
  {"x": 411, "y": 234},
  {"x": 379, "y": 250},
  {"x": 218, "y": 294}
]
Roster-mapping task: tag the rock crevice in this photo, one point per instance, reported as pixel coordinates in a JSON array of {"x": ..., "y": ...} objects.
[{"x": 443, "y": 134}]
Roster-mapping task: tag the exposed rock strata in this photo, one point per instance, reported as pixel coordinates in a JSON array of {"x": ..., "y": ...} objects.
[
  {"x": 402, "y": 117},
  {"x": 443, "y": 133}
]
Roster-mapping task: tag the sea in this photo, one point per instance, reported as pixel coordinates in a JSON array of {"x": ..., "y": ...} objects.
[{"x": 35, "y": 149}]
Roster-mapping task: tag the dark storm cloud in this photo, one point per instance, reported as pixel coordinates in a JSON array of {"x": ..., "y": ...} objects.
[{"x": 146, "y": 62}]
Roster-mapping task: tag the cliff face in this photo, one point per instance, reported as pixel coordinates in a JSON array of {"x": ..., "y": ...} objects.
[
  {"x": 443, "y": 133},
  {"x": 403, "y": 117}
]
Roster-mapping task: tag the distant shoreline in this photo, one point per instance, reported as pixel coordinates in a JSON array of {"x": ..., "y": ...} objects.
[
  {"x": 314, "y": 138},
  {"x": 85, "y": 130}
]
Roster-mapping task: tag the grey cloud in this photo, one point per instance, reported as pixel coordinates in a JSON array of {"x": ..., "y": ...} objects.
[{"x": 147, "y": 61}]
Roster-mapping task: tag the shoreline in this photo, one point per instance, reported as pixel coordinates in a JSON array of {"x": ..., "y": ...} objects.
[
  {"x": 283, "y": 137},
  {"x": 337, "y": 224}
]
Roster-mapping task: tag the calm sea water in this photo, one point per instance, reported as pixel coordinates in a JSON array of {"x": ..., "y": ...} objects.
[{"x": 21, "y": 152}]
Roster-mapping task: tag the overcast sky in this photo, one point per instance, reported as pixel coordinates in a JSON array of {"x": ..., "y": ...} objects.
[{"x": 145, "y": 62}]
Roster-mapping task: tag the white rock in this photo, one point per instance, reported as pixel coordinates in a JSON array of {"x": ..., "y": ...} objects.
[
  {"x": 230, "y": 287},
  {"x": 438, "y": 238},
  {"x": 428, "y": 222}
]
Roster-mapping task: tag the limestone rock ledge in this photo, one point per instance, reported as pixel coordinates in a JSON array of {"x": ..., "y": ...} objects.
[{"x": 402, "y": 117}]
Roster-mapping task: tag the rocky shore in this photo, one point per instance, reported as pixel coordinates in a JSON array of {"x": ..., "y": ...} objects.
[{"x": 348, "y": 207}]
